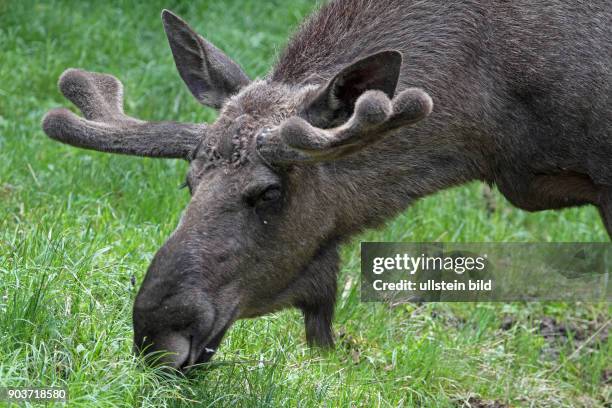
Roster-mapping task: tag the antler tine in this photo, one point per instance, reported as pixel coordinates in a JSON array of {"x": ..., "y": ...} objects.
[
  {"x": 409, "y": 107},
  {"x": 374, "y": 115},
  {"x": 97, "y": 95},
  {"x": 105, "y": 126}
]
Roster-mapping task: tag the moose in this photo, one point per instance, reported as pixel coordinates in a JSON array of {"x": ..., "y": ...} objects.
[{"x": 341, "y": 135}]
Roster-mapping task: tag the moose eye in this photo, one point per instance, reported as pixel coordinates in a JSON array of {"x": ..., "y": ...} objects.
[
  {"x": 263, "y": 198},
  {"x": 271, "y": 194}
]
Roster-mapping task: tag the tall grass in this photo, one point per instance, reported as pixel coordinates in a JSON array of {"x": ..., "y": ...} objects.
[{"x": 76, "y": 226}]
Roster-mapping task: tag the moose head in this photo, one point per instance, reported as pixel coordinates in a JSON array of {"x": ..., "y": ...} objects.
[{"x": 268, "y": 203}]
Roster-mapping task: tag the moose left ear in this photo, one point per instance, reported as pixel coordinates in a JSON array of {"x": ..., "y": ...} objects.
[
  {"x": 335, "y": 102},
  {"x": 210, "y": 75}
]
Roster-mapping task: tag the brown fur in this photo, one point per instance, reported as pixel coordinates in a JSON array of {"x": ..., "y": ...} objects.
[{"x": 302, "y": 160}]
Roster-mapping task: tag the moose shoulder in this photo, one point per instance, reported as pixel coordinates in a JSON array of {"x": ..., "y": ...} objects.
[{"x": 343, "y": 134}]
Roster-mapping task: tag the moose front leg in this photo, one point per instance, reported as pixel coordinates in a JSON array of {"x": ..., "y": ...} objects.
[
  {"x": 318, "y": 287},
  {"x": 605, "y": 208}
]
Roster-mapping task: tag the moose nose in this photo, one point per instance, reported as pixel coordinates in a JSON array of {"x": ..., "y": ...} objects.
[
  {"x": 178, "y": 319},
  {"x": 170, "y": 350},
  {"x": 175, "y": 350}
]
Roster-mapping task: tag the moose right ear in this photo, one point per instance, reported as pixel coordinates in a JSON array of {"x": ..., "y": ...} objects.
[
  {"x": 209, "y": 74},
  {"x": 335, "y": 102}
]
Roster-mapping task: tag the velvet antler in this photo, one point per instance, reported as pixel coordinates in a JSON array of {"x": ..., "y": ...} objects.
[
  {"x": 295, "y": 140},
  {"x": 106, "y": 128}
]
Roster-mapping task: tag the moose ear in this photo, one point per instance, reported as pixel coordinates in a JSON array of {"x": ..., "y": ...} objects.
[
  {"x": 336, "y": 101},
  {"x": 209, "y": 74}
]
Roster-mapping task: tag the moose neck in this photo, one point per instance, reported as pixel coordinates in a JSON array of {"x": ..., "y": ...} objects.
[{"x": 383, "y": 180}]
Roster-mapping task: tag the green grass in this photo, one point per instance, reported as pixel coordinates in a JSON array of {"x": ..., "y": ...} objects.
[{"x": 76, "y": 225}]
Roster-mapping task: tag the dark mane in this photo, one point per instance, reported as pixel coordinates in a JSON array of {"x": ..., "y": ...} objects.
[{"x": 335, "y": 35}]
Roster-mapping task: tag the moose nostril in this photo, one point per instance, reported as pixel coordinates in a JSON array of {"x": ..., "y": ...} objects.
[{"x": 171, "y": 349}]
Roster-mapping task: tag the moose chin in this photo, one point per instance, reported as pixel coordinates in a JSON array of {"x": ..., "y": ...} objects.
[{"x": 341, "y": 135}]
